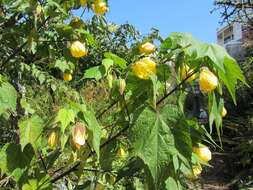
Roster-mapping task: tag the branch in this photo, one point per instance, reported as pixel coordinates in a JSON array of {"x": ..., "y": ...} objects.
[
  {"x": 236, "y": 5},
  {"x": 99, "y": 115},
  {"x": 43, "y": 162},
  {"x": 176, "y": 88},
  {"x": 72, "y": 168}
]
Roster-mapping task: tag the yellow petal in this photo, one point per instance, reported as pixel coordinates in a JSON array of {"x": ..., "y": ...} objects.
[
  {"x": 144, "y": 68},
  {"x": 207, "y": 80},
  {"x": 78, "y": 49},
  {"x": 203, "y": 153},
  {"x": 78, "y": 134},
  {"x": 224, "y": 112},
  {"x": 147, "y": 48}
]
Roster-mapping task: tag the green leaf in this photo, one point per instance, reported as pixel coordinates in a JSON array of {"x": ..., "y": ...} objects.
[
  {"x": 62, "y": 65},
  {"x": 26, "y": 106},
  {"x": 154, "y": 143},
  {"x": 8, "y": 97},
  {"x": 215, "y": 114},
  {"x": 65, "y": 117},
  {"x": 161, "y": 139},
  {"x": 132, "y": 167},
  {"x": 30, "y": 131},
  {"x": 90, "y": 39},
  {"x": 122, "y": 63},
  {"x": 231, "y": 76},
  {"x": 94, "y": 130},
  {"x": 155, "y": 89},
  {"x": 58, "y": 6},
  {"x": 171, "y": 184},
  {"x": 198, "y": 50},
  {"x": 95, "y": 72},
  {"x": 38, "y": 184},
  {"x": 13, "y": 161},
  {"x": 107, "y": 63},
  {"x": 228, "y": 70}
]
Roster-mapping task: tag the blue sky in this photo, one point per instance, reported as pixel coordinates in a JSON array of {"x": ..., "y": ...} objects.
[{"x": 168, "y": 16}]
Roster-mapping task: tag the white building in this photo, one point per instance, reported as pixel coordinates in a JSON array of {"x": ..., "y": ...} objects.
[{"x": 231, "y": 37}]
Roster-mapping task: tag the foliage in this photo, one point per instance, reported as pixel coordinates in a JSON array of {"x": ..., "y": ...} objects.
[{"x": 138, "y": 116}]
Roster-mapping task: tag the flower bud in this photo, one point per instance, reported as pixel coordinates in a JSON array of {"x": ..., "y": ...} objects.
[
  {"x": 147, "y": 48},
  {"x": 185, "y": 72},
  {"x": 67, "y": 77},
  {"x": 203, "y": 153},
  {"x": 79, "y": 135},
  {"x": 53, "y": 139},
  {"x": 121, "y": 152},
  {"x": 122, "y": 86},
  {"x": 224, "y": 112},
  {"x": 110, "y": 80}
]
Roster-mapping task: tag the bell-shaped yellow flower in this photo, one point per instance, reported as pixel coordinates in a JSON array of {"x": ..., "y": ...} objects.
[
  {"x": 144, "y": 68},
  {"x": 52, "y": 139},
  {"x": 83, "y": 2},
  {"x": 224, "y": 112},
  {"x": 100, "y": 7},
  {"x": 78, "y": 49},
  {"x": 67, "y": 77},
  {"x": 207, "y": 80},
  {"x": 79, "y": 135},
  {"x": 147, "y": 48},
  {"x": 185, "y": 71},
  {"x": 203, "y": 153}
]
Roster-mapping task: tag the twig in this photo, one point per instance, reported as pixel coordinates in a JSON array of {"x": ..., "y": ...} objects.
[
  {"x": 66, "y": 172},
  {"x": 99, "y": 115},
  {"x": 176, "y": 88},
  {"x": 43, "y": 162}
]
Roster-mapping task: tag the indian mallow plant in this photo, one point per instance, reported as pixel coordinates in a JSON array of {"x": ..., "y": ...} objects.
[{"x": 140, "y": 137}]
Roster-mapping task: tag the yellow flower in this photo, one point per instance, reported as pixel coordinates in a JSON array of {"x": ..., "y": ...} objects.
[
  {"x": 100, "y": 7},
  {"x": 207, "y": 80},
  {"x": 78, "y": 49},
  {"x": 67, "y": 77},
  {"x": 83, "y": 2},
  {"x": 79, "y": 135},
  {"x": 53, "y": 139},
  {"x": 185, "y": 72},
  {"x": 203, "y": 153},
  {"x": 144, "y": 67},
  {"x": 224, "y": 112},
  {"x": 196, "y": 171},
  {"x": 121, "y": 152},
  {"x": 147, "y": 48}
]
